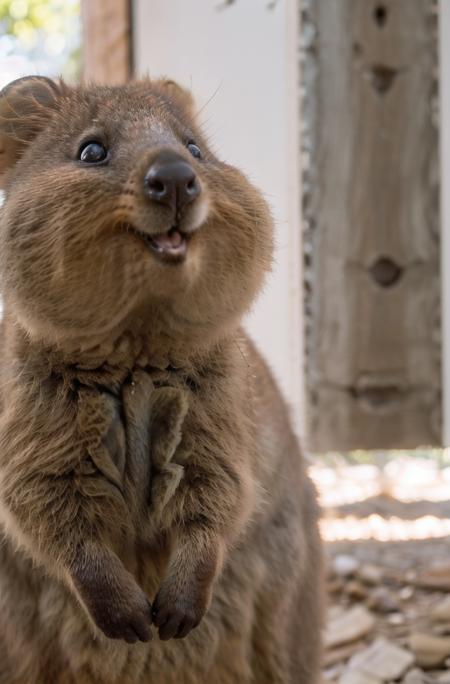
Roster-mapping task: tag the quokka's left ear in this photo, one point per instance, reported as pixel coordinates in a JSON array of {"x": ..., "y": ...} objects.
[
  {"x": 178, "y": 94},
  {"x": 26, "y": 106}
]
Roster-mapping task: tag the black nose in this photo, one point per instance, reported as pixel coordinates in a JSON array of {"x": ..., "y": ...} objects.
[{"x": 171, "y": 180}]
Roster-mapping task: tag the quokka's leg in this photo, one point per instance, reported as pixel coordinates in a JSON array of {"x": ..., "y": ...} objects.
[
  {"x": 205, "y": 515},
  {"x": 63, "y": 498}
]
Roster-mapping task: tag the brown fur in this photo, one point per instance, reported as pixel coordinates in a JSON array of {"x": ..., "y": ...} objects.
[{"x": 106, "y": 349}]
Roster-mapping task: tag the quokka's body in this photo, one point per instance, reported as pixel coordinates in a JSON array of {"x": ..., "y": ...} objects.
[{"x": 148, "y": 471}]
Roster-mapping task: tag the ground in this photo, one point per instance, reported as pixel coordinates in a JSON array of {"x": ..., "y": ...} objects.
[{"x": 386, "y": 530}]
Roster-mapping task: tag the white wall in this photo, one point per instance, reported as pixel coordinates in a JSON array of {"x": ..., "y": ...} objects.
[
  {"x": 241, "y": 62},
  {"x": 444, "y": 10}
]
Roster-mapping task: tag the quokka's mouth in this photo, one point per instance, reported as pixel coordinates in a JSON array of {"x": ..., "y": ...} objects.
[{"x": 170, "y": 246}]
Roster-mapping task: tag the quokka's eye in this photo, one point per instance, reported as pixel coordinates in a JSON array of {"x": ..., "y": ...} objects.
[
  {"x": 92, "y": 152},
  {"x": 194, "y": 149}
]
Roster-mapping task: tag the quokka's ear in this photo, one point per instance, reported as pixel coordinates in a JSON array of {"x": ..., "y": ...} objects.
[
  {"x": 178, "y": 94},
  {"x": 26, "y": 106}
]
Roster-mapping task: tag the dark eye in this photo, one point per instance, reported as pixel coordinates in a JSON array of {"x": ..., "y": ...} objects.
[
  {"x": 194, "y": 149},
  {"x": 92, "y": 152}
]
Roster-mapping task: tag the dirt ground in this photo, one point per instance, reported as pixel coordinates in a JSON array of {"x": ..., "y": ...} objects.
[{"x": 387, "y": 535}]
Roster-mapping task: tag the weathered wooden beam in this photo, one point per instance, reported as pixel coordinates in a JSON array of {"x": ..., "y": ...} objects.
[
  {"x": 372, "y": 224},
  {"x": 444, "y": 118},
  {"x": 106, "y": 41}
]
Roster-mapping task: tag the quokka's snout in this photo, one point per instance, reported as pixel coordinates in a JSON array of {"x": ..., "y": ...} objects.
[
  {"x": 171, "y": 201},
  {"x": 172, "y": 181}
]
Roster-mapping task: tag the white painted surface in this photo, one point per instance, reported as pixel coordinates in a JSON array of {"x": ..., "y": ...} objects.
[
  {"x": 444, "y": 47},
  {"x": 241, "y": 62}
]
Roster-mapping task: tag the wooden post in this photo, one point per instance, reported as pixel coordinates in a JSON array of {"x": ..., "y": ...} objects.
[
  {"x": 106, "y": 41},
  {"x": 444, "y": 69},
  {"x": 371, "y": 208}
]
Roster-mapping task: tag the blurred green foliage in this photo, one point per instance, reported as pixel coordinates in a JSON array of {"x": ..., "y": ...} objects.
[{"x": 47, "y": 30}]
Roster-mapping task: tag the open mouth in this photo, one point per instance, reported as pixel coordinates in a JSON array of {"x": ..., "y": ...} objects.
[{"x": 170, "y": 246}]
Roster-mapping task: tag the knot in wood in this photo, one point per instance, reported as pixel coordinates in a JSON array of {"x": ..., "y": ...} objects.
[{"x": 385, "y": 271}]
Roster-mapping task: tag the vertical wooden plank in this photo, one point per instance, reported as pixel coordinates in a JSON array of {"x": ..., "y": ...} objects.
[
  {"x": 444, "y": 61},
  {"x": 106, "y": 41},
  {"x": 292, "y": 104},
  {"x": 371, "y": 209}
]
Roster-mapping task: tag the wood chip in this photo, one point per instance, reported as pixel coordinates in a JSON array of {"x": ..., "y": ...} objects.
[
  {"x": 406, "y": 593},
  {"x": 331, "y": 674},
  {"x": 430, "y": 651},
  {"x": 341, "y": 653},
  {"x": 442, "y": 629},
  {"x": 441, "y": 611},
  {"x": 382, "y": 601},
  {"x": 345, "y": 566},
  {"x": 415, "y": 677},
  {"x": 435, "y": 578},
  {"x": 355, "y": 590},
  {"x": 355, "y": 677},
  {"x": 353, "y": 624},
  {"x": 383, "y": 660},
  {"x": 371, "y": 574},
  {"x": 444, "y": 678}
]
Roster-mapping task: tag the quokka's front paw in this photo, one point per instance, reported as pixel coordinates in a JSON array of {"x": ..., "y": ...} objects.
[
  {"x": 175, "y": 614},
  {"x": 112, "y": 597}
]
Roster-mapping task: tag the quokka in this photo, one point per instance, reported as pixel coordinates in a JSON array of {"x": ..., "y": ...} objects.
[{"x": 158, "y": 522}]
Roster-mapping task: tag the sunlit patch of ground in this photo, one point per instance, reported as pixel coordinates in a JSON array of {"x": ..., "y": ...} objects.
[
  {"x": 384, "y": 529},
  {"x": 387, "y": 533},
  {"x": 407, "y": 498}
]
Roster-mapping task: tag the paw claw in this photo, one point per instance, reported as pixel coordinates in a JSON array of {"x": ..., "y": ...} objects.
[{"x": 175, "y": 618}]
